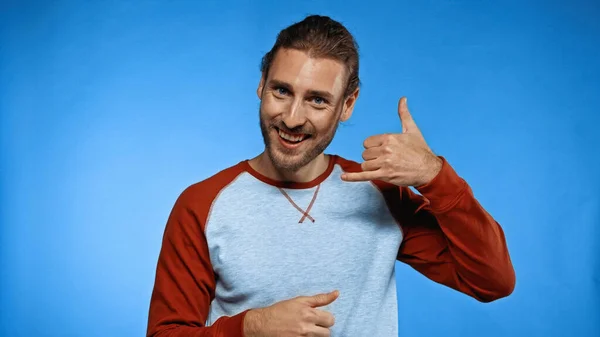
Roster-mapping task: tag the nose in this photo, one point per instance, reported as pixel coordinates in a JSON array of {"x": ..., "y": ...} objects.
[{"x": 294, "y": 115}]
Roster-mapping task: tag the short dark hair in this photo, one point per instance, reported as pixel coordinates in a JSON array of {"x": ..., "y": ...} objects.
[{"x": 319, "y": 36}]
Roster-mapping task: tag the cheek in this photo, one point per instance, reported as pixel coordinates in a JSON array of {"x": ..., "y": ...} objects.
[
  {"x": 271, "y": 106},
  {"x": 324, "y": 121}
]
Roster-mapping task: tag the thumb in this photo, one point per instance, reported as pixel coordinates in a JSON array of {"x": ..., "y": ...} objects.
[
  {"x": 408, "y": 123},
  {"x": 320, "y": 300}
]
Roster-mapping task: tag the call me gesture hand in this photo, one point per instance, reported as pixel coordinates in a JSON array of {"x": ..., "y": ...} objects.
[{"x": 402, "y": 159}]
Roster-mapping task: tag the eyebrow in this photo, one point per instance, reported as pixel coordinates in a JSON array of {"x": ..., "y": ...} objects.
[{"x": 324, "y": 94}]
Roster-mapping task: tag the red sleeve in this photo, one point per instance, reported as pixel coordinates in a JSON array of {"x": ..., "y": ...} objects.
[
  {"x": 451, "y": 239},
  {"x": 185, "y": 282}
]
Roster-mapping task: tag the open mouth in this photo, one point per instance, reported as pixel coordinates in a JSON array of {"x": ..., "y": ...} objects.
[{"x": 292, "y": 139}]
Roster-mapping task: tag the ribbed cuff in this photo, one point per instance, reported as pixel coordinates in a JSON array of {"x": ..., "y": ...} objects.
[
  {"x": 445, "y": 190},
  {"x": 234, "y": 325}
]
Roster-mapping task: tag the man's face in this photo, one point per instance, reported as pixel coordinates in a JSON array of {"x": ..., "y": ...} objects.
[{"x": 302, "y": 102}]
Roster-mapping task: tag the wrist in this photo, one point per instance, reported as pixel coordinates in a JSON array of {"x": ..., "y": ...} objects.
[
  {"x": 252, "y": 323},
  {"x": 432, "y": 171}
]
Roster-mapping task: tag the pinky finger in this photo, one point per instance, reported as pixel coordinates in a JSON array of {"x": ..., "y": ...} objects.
[
  {"x": 321, "y": 332},
  {"x": 361, "y": 176}
]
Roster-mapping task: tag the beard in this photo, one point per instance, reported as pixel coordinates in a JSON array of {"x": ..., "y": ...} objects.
[{"x": 291, "y": 160}]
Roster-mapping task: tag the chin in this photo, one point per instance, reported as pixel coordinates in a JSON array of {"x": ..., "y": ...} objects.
[{"x": 286, "y": 161}]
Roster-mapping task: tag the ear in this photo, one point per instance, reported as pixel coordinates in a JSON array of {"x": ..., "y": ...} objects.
[
  {"x": 261, "y": 85},
  {"x": 349, "y": 106}
]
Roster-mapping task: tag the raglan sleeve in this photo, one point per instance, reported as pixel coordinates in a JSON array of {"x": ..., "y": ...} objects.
[
  {"x": 184, "y": 284},
  {"x": 451, "y": 239}
]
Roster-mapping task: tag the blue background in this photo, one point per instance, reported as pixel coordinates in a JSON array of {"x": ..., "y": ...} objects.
[{"x": 110, "y": 109}]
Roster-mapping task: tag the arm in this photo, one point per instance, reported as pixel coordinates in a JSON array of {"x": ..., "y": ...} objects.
[
  {"x": 185, "y": 282},
  {"x": 185, "y": 286},
  {"x": 451, "y": 239}
]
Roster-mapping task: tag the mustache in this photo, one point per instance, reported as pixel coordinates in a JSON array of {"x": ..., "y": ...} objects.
[{"x": 303, "y": 129}]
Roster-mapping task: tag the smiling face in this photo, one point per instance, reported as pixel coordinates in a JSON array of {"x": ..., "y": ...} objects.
[{"x": 302, "y": 102}]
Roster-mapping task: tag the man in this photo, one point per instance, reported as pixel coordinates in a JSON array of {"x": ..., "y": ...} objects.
[{"x": 295, "y": 242}]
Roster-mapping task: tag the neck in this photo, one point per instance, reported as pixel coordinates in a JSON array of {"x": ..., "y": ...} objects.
[{"x": 263, "y": 164}]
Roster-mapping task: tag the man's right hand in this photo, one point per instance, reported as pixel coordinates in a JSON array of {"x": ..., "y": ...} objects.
[{"x": 296, "y": 317}]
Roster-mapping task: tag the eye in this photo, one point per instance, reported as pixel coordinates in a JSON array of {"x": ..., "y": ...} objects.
[
  {"x": 319, "y": 100},
  {"x": 282, "y": 91}
]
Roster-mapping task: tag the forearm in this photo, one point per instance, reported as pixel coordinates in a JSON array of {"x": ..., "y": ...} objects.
[
  {"x": 470, "y": 253},
  {"x": 253, "y": 323},
  {"x": 227, "y": 326},
  {"x": 478, "y": 248}
]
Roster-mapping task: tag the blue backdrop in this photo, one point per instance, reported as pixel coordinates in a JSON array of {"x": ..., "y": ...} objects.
[{"x": 109, "y": 109}]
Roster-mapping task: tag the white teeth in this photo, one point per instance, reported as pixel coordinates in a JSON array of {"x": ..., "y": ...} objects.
[{"x": 290, "y": 137}]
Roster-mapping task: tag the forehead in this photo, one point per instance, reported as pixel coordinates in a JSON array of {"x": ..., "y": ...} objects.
[{"x": 306, "y": 73}]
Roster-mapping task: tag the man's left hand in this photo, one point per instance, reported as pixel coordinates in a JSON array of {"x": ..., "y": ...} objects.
[{"x": 402, "y": 159}]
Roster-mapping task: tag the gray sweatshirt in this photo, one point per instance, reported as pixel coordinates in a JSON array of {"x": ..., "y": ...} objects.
[{"x": 239, "y": 240}]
